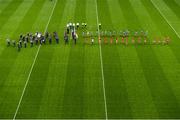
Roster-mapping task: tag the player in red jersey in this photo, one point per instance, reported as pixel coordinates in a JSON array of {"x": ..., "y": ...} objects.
[
  {"x": 116, "y": 40},
  {"x": 111, "y": 40},
  {"x": 139, "y": 40},
  {"x": 133, "y": 40},
  {"x": 122, "y": 40},
  {"x": 105, "y": 40},
  {"x": 99, "y": 39},
  {"x": 126, "y": 40}
]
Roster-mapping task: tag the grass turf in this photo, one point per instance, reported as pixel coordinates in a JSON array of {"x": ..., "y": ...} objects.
[{"x": 66, "y": 80}]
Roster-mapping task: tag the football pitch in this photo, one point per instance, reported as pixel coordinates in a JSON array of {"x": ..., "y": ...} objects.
[{"x": 84, "y": 81}]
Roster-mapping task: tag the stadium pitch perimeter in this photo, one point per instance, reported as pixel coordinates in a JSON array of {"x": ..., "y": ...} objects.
[{"x": 83, "y": 81}]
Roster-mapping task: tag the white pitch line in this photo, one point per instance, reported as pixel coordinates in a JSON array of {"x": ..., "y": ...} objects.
[
  {"x": 29, "y": 75},
  {"x": 102, "y": 71},
  {"x": 165, "y": 18}
]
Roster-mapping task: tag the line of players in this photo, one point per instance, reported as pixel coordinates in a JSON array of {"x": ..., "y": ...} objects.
[
  {"x": 37, "y": 38},
  {"x": 104, "y": 37},
  {"x": 123, "y": 38},
  {"x": 139, "y": 37}
]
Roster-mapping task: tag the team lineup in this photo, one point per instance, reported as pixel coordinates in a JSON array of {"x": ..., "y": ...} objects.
[{"x": 72, "y": 32}]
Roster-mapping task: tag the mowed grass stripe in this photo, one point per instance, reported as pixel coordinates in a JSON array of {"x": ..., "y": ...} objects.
[
  {"x": 169, "y": 16},
  {"x": 56, "y": 78},
  {"x": 178, "y": 2},
  {"x": 22, "y": 113},
  {"x": 8, "y": 18},
  {"x": 133, "y": 24},
  {"x": 59, "y": 62},
  {"x": 173, "y": 6},
  {"x": 53, "y": 85},
  {"x": 139, "y": 95},
  {"x": 44, "y": 54},
  {"x": 164, "y": 54},
  {"x": 73, "y": 102},
  {"x": 30, "y": 66},
  {"x": 4, "y": 4},
  {"x": 9, "y": 66},
  {"x": 8, "y": 11},
  {"x": 43, "y": 17},
  {"x": 56, "y": 22},
  {"x": 93, "y": 87},
  {"x": 58, "y": 66},
  {"x": 156, "y": 79},
  {"x": 161, "y": 24},
  {"x": 160, "y": 51},
  {"x": 159, "y": 83},
  {"x": 116, "y": 92},
  {"x": 29, "y": 19},
  {"x": 175, "y": 40},
  {"x": 8, "y": 53},
  {"x": 168, "y": 59},
  {"x": 15, "y": 36}
]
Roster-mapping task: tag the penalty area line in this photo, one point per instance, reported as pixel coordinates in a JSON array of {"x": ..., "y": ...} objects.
[{"x": 32, "y": 66}]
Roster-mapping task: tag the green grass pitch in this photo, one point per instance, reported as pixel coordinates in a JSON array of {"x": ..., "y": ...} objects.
[{"x": 90, "y": 81}]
